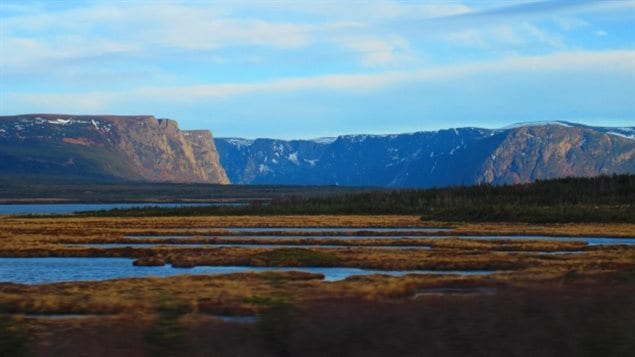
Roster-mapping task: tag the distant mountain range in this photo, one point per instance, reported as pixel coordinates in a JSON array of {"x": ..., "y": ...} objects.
[
  {"x": 104, "y": 148},
  {"x": 143, "y": 148},
  {"x": 520, "y": 153}
]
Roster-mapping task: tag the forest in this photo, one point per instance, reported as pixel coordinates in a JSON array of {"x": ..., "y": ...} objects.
[{"x": 594, "y": 199}]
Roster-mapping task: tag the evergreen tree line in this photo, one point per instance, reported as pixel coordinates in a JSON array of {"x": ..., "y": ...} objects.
[{"x": 596, "y": 199}]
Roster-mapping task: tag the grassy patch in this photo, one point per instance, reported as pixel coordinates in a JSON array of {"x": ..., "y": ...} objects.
[
  {"x": 598, "y": 199},
  {"x": 13, "y": 340},
  {"x": 294, "y": 257}
]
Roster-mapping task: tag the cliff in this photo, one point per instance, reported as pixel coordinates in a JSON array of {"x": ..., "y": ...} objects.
[
  {"x": 462, "y": 156},
  {"x": 139, "y": 148},
  {"x": 550, "y": 151}
]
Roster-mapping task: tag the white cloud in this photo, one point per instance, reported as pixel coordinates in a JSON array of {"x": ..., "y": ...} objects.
[
  {"x": 509, "y": 37},
  {"x": 375, "y": 34},
  {"x": 377, "y": 51},
  {"x": 99, "y": 29},
  {"x": 359, "y": 10},
  {"x": 543, "y": 37},
  {"x": 583, "y": 62},
  {"x": 570, "y": 23}
]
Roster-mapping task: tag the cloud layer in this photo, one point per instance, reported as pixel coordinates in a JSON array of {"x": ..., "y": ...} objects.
[{"x": 191, "y": 58}]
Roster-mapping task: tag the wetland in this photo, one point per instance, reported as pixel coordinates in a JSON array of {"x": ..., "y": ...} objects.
[{"x": 130, "y": 283}]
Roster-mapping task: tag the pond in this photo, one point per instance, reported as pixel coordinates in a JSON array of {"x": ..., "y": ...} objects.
[
  {"x": 334, "y": 229},
  {"x": 50, "y": 270},
  {"x": 65, "y": 208},
  {"x": 587, "y": 240},
  {"x": 237, "y": 245}
]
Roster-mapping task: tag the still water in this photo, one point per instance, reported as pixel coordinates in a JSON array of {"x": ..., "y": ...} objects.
[
  {"x": 274, "y": 230},
  {"x": 50, "y": 270},
  {"x": 237, "y": 245},
  {"x": 587, "y": 240},
  {"x": 64, "y": 208}
]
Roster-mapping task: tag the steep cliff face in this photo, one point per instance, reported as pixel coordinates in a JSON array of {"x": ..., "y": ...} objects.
[
  {"x": 550, "y": 151},
  {"x": 522, "y": 153},
  {"x": 119, "y": 147}
]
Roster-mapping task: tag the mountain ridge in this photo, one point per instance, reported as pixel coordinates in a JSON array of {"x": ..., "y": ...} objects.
[
  {"x": 144, "y": 148},
  {"x": 438, "y": 158},
  {"x": 108, "y": 147}
]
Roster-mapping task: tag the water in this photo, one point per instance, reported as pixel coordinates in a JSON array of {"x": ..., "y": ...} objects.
[
  {"x": 587, "y": 240},
  {"x": 470, "y": 291},
  {"x": 65, "y": 208},
  {"x": 61, "y": 316},
  {"x": 237, "y": 245},
  {"x": 50, "y": 270},
  {"x": 555, "y": 252},
  {"x": 332, "y": 229},
  {"x": 236, "y": 319},
  {"x": 256, "y": 237}
]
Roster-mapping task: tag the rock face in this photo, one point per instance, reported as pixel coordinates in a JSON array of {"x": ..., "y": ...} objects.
[
  {"x": 551, "y": 151},
  {"x": 107, "y": 147},
  {"x": 522, "y": 153}
]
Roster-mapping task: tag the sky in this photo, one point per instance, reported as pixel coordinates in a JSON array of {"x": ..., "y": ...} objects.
[{"x": 307, "y": 69}]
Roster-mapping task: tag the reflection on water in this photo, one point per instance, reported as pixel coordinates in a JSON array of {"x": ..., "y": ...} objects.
[
  {"x": 556, "y": 252},
  {"x": 49, "y": 270},
  {"x": 64, "y": 208},
  {"x": 238, "y": 245},
  {"x": 60, "y": 316},
  {"x": 236, "y": 319},
  {"x": 469, "y": 291},
  {"x": 588, "y": 240},
  {"x": 335, "y": 229}
]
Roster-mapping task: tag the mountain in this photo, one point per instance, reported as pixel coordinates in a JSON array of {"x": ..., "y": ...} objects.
[
  {"x": 520, "y": 153},
  {"x": 99, "y": 147}
]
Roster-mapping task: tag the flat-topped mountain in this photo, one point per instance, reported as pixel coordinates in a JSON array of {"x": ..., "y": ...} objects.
[
  {"x": 143, "y": 148},
  {"x": 105, "y": 147},
  {"x": 520, "y": 153}
]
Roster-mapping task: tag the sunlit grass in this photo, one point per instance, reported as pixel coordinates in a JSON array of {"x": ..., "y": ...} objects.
[{"x": 518, "y": 262}]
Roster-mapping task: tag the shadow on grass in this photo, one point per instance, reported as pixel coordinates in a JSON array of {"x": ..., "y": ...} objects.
[
  {"x": 167, "y": 336},
  {"x": 13, "y": 341}
]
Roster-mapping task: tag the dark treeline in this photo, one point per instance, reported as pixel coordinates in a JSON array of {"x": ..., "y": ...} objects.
[
  {"x": 43, "y": 189},
  {"x": 597, "y": 199}
]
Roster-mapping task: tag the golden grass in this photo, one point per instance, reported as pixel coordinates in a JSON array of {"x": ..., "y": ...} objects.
[
  {"x": 521, "y": 260},
  {"x": 125, "y": 308},
  {"x": 23, "y": 237}
]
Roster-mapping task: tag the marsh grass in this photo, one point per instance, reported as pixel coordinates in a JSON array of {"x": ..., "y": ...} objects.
[
  {"x": 13, "y": 339},
  {"x": 167, "y": 335},
  {"x": 525, "y": 317},
  {"x": 538, "y": 296},
  {"x": 50, "y": 237},
  {"x": 295, "y": 257},
  {"x": 236, "y": 294}
]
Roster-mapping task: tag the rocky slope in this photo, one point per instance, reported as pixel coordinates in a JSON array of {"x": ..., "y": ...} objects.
[
  {"x": 107, "y": 147},
  {"x": 522, "y": 153}
]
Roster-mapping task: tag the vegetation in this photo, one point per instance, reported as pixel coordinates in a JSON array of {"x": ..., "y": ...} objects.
[
  {"x": 373, "y": 315},
  {"x": 598, "y": 199},
  {"x": 295, "y": 257},
  {"x": 25, "y": 189},
  {"x": 585, "y": 299},
  {"x": 53, "y": 237},
  {"x": 166, "y": 337},
  {"x": 13, "y": 341}
]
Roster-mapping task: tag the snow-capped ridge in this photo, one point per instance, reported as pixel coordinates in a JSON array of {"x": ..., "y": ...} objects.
[
  {"x": 627, "y": 133},
  {"x": 537, "y": 123},
  {"x": 324, "y": 140},
  {"x": 239, "y": 142}
]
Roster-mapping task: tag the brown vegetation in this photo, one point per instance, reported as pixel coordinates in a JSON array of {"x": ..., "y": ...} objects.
[{"x": 532, "y": 289}]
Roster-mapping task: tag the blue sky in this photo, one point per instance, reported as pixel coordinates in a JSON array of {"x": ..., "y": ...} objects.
[{"x": 303, "y": 69}]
